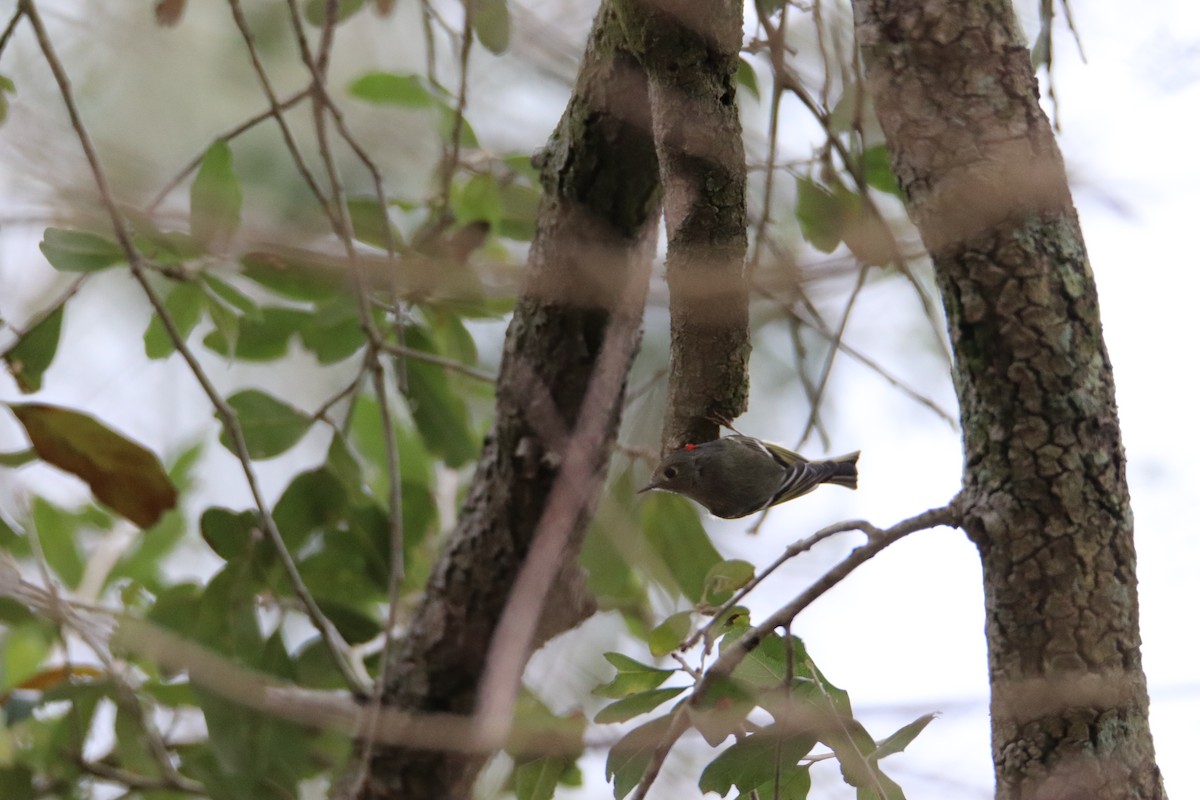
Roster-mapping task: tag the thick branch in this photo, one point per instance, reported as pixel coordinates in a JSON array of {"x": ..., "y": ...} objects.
[{"x": 588, "y": 260}]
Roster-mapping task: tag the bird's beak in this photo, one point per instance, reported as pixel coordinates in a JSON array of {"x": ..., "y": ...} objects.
[{"x": 647, "y": 487}]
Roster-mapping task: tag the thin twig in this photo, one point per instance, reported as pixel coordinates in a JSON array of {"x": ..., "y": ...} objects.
[
  {"x": 322, "y": 412},
  {"x": 772, "y": 153},
  {"x": 11, "y": 27},
  {"x": 680, "y": 722},
  {"x": 289, "y": 141},
  {"x": 323, "y": 108},
  {"x": 827, "y": 368},
  {"x": 61, "y": 611},
  {"x": 333, "y": 640},
  {"x": 819, "y": 326},
  {"x": 45, "y": 313},
  {"x": 793, "y": 550},
  {"x": 732, "y": 656},
  {"x": 228, "y": 135},
  {"x": 877, "y": 541},
  {"x": 140, "y": 783}
]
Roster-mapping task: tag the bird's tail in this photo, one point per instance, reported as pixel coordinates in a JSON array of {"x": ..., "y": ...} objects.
[{"x": 845, "y": 470}]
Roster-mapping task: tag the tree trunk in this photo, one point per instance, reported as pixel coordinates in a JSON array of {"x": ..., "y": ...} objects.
[
  {"x": 593, "y": 244},
  {"x": 1044, "y": 497}
]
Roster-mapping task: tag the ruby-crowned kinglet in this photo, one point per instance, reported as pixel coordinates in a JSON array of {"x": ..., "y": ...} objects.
[{"x": 738, "y": 475}]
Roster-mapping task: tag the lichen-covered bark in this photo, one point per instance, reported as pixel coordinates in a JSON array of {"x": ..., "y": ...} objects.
[
  {"x": 1044, "y": 495},
  {"x": 690, "y": 51},
  {"x": 601, "y": 206}
]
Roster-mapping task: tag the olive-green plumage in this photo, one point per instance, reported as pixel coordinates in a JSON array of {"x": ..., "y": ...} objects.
[{"x": 738, "y": 475}]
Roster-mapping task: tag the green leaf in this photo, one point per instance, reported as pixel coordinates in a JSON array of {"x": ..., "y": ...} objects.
[
  {"x": 670, "y": 633},
  {"x": 77, "y": 251},
  {"x": 314, "y": 11},
  {"x": 881, "y": 787},
  {"x": 440, "y": 413},
  {"x": 225, "y": 293},
  {"x": 226, "y": 326},
  {"x": 635, "y": 705},
  {"x": 270, "y": 426},
  {"x": 334, "y": 332},
  {"x": 390, "y": 88},
  {"x": 903, "y": 737},
  {"x": 371, "y": 224},
  {"x": 216, "y": 197},
  {"x": 184, "y": 303},
  {"x": 453, "y": 339},
  {"x": 123, "y": 475},
  {"x": 820, "y": 215},
  {"x": 294, "y": 276},
  {"x": 141, "y": 565},
  {"x": 230, "y": 534},
  {"x": 537, "y": 779},
  {"x": 314, "y": 500},
  {"x": 176, "y": 608},
  {"x": 490, "y": 20},
  {"x": 32, "y": 354},
  {"x": 536, "y": 775},
  {"x": 746, "y": 77},
  {"x": 518, "y": 211},
  {"x": 674, "y": 532},
  {"x": 766, "y": 666},
  {"x": 165, "y": 247},
  {"x": 632, "y": 677},
  {"x": 16, "y": 781},
  {"x": 629, "y": 757},
  {"x": 879, "y": 170},
  {"x": 722, "y": 709},
  {"x": 24, "y": 648},
  {"x": 448, "y": 120},
  {"x": 262, "y": 338},
  {"x": 477, "y": 199},
  {"x": 752, "y": 761},
  {"x": 6, "y": 87},
  {"x": 725, "y": 578},
  {"x": 59, "y": 533}
]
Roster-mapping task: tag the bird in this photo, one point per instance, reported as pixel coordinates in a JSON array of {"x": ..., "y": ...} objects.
[{"x": 737, "y": 475}]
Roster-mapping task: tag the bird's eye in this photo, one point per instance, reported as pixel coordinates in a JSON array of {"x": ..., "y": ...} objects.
[{"x": 670, "y": 472}]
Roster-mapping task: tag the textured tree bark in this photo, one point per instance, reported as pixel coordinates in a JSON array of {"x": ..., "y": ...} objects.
[
  {"x": 595, "y": 236},
  {"x": 690, "y": 52},
  {"x": 1044, "y": 497}
]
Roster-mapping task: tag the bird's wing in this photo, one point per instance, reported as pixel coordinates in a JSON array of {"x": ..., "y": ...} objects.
[
  {"x": 801, "y": 478},
  {"x": 784, "y": 457}
]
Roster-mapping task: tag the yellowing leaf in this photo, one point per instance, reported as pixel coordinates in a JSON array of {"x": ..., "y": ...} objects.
[{"x": 122, "y": 474}]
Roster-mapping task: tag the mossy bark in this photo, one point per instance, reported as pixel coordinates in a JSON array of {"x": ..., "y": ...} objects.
[
  {"x": 589, "y": 261},
  {"x": 1045, "y": 496}
]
